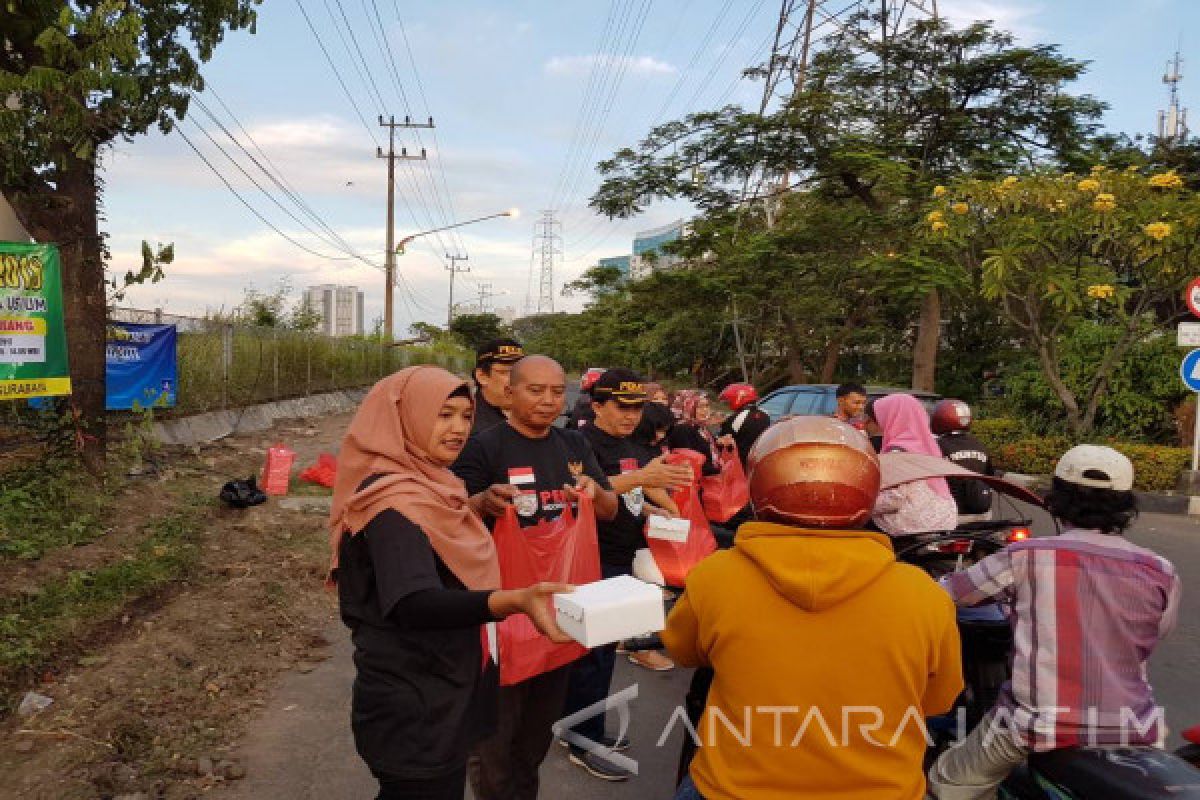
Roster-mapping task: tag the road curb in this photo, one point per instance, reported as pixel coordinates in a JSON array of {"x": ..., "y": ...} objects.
[
  {"x": 1149, "y": 502},
  {"x": 203, "y": 428}
]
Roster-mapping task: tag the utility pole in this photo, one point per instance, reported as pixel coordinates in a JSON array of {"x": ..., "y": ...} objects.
[
  {"x": 547, "y": 243},
  {"x": 453, "y": 269},
  {"x": 485, "y": 296},
  {"x": 389, "y": 261}
]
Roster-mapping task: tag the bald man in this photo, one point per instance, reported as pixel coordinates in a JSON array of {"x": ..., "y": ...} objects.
[{"x": 539, "y": 469}]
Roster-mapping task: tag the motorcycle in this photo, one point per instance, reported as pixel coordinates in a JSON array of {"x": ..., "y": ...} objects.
[{"x": 1083, "y": 773}]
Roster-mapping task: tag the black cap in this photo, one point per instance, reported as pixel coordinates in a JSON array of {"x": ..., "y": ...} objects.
[
  {"x": 499, "y": 351},
  {"x": 623, "y": 385}
]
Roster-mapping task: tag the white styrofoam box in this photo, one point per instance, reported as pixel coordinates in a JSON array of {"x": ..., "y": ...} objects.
[
  {"x": 645, "y": 568},
  {"x": 672, "y": 529},
  {"x": 610, "y": 610}
]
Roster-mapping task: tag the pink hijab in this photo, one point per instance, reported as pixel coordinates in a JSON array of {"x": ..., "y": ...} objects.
[{"x": 905, "y": 425}]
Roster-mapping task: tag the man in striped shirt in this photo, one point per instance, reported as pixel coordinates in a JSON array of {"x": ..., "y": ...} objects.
[{"x": 1087, "y": 609}]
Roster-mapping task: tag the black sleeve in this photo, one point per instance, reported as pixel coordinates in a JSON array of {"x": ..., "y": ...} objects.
[
  {"x": 435, "y": 609},
  {"x": 591, "y": 467},
  {"x": 755, "y": 426},
  {"x": 472, "y": 465}
]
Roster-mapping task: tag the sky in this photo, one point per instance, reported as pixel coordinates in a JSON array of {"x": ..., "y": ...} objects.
[{"x": 506, "y": 83}]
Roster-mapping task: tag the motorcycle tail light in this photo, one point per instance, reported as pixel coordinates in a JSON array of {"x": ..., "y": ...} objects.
[
  {"x": 956, "y": 547},
  {"x": 1018, "y": 535}
]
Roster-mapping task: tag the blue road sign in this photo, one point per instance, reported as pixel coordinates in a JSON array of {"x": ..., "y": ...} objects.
[{"x": 1189, "y": 370}]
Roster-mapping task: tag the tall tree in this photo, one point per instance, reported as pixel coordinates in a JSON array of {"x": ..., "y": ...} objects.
[
  {"x": 75, "y": 76},
  {"x": 880, "y": 132}
]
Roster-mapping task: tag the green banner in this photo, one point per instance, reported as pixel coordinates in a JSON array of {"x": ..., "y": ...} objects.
[{"x": 33, "y": 339}]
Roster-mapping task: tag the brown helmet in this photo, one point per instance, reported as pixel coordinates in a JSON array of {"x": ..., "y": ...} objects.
[
  {"x": 950, "y": 415},
  {"x": 814, "y": 472}
]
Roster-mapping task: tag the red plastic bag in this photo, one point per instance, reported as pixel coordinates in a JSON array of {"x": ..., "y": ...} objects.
[
  {"x": 323, "y": 472},
  {"x": 727, "y": 493},
  {"x": 683, "y": 456},
  {"x": 676, "y": 559},
  {"x": 277, "y": 473},
  {"x": 563, "y": 550}
]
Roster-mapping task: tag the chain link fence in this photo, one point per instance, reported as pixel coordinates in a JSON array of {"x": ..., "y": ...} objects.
[{"x": 225, "y": 364}]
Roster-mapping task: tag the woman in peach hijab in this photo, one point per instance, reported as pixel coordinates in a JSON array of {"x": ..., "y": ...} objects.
[{"x": 417, "y": 580}]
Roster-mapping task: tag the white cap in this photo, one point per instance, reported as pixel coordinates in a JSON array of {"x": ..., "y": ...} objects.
[{"x": 1096, "y": 466}]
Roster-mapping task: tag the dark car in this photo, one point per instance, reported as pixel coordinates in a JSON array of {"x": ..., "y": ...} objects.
[{"x": 819, "y": 400}]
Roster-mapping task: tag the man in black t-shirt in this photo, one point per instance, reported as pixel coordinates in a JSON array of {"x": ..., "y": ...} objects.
[
  {"x": 493, "y": 365},
  {"x": 538, "y": 468},
  {"x": 618, "y": 398}
]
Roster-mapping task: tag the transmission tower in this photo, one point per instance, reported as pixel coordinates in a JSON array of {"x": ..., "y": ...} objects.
[
  {"x": 485, "y": 297},
  {"x": 1172, "y": 123},
  {"x": 547, "y": 245}
]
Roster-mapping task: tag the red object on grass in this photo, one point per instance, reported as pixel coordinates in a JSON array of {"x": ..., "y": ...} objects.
[
  {"x": 324, "y": 472},
  {"x": 277, "y": 472}
]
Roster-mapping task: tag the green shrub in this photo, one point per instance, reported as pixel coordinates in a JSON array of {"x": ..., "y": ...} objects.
[
  {"x": 1035, "y": 455},
  {"x": 997, "y": 431},
  {"x": 1155, "y": 468}
]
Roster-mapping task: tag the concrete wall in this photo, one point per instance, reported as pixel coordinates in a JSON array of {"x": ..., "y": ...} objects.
[{"x": 216, "y": 425}]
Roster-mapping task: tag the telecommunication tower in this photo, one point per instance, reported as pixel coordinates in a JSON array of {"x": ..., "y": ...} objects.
[{"x": 1172, "y": 123}]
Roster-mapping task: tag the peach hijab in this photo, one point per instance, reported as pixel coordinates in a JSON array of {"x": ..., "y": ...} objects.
[{"x": 390, "y": 436}]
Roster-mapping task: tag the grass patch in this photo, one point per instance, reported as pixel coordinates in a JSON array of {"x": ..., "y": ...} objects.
[
  {"x": 36, "y": 628},
  {"x": 45, "y": 507}
]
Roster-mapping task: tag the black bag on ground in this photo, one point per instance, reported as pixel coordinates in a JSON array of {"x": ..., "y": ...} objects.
[{"x": 243, "y": 494}]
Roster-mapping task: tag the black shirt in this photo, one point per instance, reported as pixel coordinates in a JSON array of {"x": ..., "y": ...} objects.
[
  {"x": 687, "y": 435},
  {"x": 745, "y": 427},
  {"x": 539, "y": 468},
  {"x": 421, "y": 698},
  {"x": 623, "y": 536},
  {"x": 972, "y": 497},
  {"x": 487, "y": 416}
]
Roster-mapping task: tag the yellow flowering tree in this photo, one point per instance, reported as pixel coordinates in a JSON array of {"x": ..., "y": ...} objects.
[{"x": 1056, "y": 250}]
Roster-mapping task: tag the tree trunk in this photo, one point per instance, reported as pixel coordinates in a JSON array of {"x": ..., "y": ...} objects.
[
  {"x": 925, "y": 349},
  {"x": 833, "y": 351},
  {"x": 67, "y": 216}
]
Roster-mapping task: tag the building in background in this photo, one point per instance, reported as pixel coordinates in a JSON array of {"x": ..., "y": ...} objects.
[
  {"x": 340, "y": 307},
  {"x": 648, "y": 254},
  {"x": 647, "y": 249},
  {"x": 507, "y": 314},
  {"x": 620, "y": 262}
]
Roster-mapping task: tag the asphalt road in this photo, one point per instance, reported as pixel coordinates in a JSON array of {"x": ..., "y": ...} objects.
[{"x": 301, "y": 748}]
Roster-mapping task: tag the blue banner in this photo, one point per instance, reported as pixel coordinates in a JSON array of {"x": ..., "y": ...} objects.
[{"x": 141, "y": 366}]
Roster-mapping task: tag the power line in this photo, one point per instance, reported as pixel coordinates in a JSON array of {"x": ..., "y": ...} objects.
[
  {"x": 385, "y": 47},
  {"x": 604, "y": 111},
  {"x": 354, "y": 40},
  {"x": 336, "y": 240},
  {"x": 178, "y": 129},
  {"x": 588, "y": 91},
  {"x": 337, "y": 74}
]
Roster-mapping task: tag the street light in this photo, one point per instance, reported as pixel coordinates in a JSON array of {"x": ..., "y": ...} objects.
[{"x": 512, "y": 212}]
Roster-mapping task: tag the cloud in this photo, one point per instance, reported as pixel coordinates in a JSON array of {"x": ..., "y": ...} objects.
[
  {"x": 1008, "y": 15},
  {"x": 580, "y": 65}
]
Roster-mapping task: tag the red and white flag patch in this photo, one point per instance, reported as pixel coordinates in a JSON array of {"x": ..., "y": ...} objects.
[{"x": 520, "y": 476}]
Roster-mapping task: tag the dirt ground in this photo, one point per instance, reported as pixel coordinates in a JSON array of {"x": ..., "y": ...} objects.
[{"x": 151, "y": 706}]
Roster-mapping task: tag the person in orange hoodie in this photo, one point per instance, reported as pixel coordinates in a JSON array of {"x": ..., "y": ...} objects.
[{"x": 828, "y": 653}]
